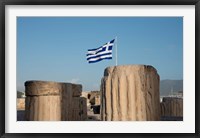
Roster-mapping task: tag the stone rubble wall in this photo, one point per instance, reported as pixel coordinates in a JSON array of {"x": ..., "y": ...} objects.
[{"x": 93, "y": 97}]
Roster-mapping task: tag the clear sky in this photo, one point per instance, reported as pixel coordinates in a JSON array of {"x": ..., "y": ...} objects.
[{"x": 55, "y": 48}]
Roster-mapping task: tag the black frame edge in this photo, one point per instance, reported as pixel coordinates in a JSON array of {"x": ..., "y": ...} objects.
[
  {"x": 197, "y": 44},
  {"x": 101, "y": 135},
  {"x": 2, "y": 69},
  {"x": 101, "y": 2},
  {"x": 98, "y": 2}
]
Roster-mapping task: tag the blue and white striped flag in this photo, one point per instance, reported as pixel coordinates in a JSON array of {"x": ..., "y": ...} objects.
[{"x": 103, "y": 52}]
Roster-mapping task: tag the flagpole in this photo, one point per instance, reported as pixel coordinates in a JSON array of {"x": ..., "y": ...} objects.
[{"x": 116, "y": 50}]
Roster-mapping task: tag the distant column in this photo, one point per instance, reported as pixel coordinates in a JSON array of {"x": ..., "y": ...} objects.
[
  {"x": 130, "y": 92},
  {"x": 172, "y": 107}
]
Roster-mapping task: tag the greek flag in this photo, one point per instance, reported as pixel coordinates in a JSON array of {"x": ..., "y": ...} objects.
[{"x": 103, "y": 52}]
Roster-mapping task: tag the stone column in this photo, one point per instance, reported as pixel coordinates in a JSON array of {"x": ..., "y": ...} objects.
[
  {"x": 50, "y": 101},
  {"x": 79, "y": 109},
  {"x": 43, "y": 101},
  {"x": 172, "y": 107},
  {"x": 130, "y": 92}
]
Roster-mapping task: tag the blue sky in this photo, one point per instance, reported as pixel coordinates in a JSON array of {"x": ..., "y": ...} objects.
[{"x": 55, "y": 48}]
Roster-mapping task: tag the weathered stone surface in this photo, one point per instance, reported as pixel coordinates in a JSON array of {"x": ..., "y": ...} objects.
[
  {"x": 130, "y": 92},
  {"x": 79, "y": 109},
  {"x": 36, "y": 88},
  {"x": 97, "y": 100},
  {"x": 77, "y": 89},
  {"x": 172, "y": 106},
  {"x": 20, "y": 103},
  {"x": 85, "y": 95},
  {"x": 94, "y": 97},
  {"x": 66, "y": 101},
  {"x": 49, "y": 100},
  {"x": 43, "y": 108}
]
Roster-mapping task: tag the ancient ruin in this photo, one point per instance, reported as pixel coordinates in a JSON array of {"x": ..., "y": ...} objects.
[
  {"x": 130, "y": 92},
  {"x": 172, "y": 107},
  {"x": 20, "y": 103},
  {"x": 52, "y": 101},
  {"x": 93, "y": 105}
]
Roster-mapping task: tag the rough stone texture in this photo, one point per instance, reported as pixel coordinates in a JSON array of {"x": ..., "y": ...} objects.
[
  {"x": 172, "y": 106},
  {"x": 77, "y": 89},
  {"x": 66, "y": 101},
  {"x": 43, "y": 108},
  {"x": 79, "y": 109},
  {"x": 20, "y": 103},
  {"x": 36, "y": 88},
  {"x": 97, "y": 100},
  {"x": 130, "y": 92},
  {"x": 93, "y": 96},
  {"x": 85, "y": 95},
  {"x": 50, "y": 101}
]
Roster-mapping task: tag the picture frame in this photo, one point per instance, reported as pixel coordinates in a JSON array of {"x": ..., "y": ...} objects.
[{"x": 97, "y": 2}]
